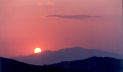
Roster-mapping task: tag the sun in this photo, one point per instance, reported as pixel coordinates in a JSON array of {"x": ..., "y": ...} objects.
[{"x": 37, "y": 50}]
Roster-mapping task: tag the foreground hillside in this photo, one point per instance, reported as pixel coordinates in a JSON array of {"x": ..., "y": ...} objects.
[
  {"x": 9, "y": 65},
  {"x": 93, "y": 64}
]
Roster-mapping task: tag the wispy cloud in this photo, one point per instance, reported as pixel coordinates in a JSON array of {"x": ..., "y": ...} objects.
[{"x": 73, "y": 16}]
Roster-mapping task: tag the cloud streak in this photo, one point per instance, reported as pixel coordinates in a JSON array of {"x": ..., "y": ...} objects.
[{"x": 73, "y": 16}]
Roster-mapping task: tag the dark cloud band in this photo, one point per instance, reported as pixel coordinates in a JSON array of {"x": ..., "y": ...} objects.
[{"x": 73, "y": 16}]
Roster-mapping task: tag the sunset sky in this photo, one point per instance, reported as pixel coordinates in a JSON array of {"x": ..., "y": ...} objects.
[{"x": 55, "y": 24}]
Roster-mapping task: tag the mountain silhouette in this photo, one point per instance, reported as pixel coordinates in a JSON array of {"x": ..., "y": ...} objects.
[
  {"x": 66, "y": 54},
  {"x": 93, "y": 64},
  {"x": 9, "y": 65}
]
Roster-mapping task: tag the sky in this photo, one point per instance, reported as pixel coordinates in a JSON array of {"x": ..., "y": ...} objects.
[{"x": 56, "y": 24}]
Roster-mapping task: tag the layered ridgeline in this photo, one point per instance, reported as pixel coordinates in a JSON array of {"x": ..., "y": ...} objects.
[
  {"x": 66, "y": 54},
  {"x": 93, "y": 64}
]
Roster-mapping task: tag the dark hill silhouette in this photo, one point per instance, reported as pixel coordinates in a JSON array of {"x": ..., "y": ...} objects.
[
  {"x": 9, "y": 65},
  {"x": 93, "y": 64},
  {"x": 66, "y": 54}
]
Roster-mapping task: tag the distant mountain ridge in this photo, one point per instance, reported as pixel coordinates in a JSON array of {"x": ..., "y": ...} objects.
[
  {"x": 93, "y": 64},
  {"x": 66, "y": 54}
]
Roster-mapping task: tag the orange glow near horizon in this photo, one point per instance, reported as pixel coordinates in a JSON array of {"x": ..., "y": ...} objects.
[{"x": 37, "y": 50}]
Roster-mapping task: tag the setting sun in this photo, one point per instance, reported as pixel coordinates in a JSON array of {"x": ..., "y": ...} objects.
[{"x": 37, "y": 50}]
